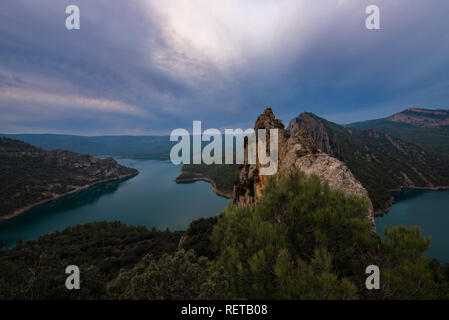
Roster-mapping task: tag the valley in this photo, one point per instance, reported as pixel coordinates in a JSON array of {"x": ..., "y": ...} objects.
[{"x": 336, "y": 201}]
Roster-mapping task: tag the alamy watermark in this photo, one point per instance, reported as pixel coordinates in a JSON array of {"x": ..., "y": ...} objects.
[
  {"x": 72, "y": 22},
  {"x": 212, "y": 153},
  {"x": 73, "y": 280},
  {"x": 373, "y": 280}
]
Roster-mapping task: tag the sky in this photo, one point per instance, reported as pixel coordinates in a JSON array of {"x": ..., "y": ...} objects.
[{"x": 141, "y": 67}]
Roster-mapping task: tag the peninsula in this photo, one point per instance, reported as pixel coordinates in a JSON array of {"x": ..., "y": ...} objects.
[{"x": 31, "y": 176}]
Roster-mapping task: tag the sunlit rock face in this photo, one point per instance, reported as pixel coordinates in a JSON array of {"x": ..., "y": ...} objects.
[{"x": 297, "y": 152}]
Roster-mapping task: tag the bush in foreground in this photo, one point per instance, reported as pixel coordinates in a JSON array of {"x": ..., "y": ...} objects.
[{"x": 305, "y": 241}]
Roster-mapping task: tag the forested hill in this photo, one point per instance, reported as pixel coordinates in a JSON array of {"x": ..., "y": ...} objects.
[
  {"x": 428, "y": 129},
  {"x": 381, "y": 162},
  {"x": 30, "y": 176},
  {"x": 222, "y": 176}
]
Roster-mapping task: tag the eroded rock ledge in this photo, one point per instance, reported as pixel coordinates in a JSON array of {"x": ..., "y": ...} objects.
[{"x": 297, "y": 152}]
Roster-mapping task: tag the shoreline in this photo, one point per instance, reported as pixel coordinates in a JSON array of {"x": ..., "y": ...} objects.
[
  {"x": 219, "y": 192},
  {"x": 378, "y": 213},
  {"x": 392, "y": 199},
  {"x": 77, "y": 189}
]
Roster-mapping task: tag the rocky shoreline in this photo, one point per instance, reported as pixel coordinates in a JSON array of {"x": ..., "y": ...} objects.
[
  {"x": 219, "y": 192},
  {"x": 32, "y": 176}
]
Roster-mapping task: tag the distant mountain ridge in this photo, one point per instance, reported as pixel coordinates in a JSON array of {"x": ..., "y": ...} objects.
[
  {"x": 381, "y": 162},
  {"x": 30, "y": 176},
  {"x": 426, "y": 128},
  {"x": 148, "y": 147},
  {"x": 422, "y": 117}
]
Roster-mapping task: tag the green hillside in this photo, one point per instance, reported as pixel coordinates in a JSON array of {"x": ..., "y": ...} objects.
[
  {"x": 433, "y": 139},
  {"x": 379, "y": 161}
]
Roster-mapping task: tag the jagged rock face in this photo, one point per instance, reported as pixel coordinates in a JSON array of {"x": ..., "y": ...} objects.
[
  {"x": 335, "y": 172},
  {"x": 251, "y": 184},
  {"x": 297, "y": 151},
  {"x": 379, "y": 161},
  {"x": 317, "y": 131}
]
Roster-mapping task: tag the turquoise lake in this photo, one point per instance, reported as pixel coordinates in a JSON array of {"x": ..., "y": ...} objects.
[
  {"x": 426, "y": 209},
  {"x": 151, "y": 198}
]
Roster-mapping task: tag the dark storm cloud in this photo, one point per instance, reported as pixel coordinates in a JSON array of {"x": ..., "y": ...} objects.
[{"x": 151, "y": 66}]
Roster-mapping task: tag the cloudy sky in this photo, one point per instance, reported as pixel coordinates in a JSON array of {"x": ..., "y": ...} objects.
[{"x": 150, "y": 66}]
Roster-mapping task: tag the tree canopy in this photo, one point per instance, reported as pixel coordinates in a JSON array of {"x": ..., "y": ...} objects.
[{"x": 306, "y": 241}]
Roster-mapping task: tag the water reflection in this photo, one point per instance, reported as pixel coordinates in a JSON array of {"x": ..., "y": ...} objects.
[
  {"x": 151, "y": 198},
  {"x": 58, "y": 206}
]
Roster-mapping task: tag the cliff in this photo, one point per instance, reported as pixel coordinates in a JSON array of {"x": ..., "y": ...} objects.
[
  {"x": 381, "y": 162},
  {"x": 30, "y": 176},
  {"x": 297, "y": 151}
]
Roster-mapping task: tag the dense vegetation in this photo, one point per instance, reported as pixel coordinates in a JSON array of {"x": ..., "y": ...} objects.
[
  {"x": 301, "y": 241},
  {"x": 304, "y": 241},
  {"x": 223, "y": 175},
  {"x": 29, "y": 175},
  {"x": 35, "y": 269},
  {"x": 182, "y": 275},
  {"x": 197, "y": 237},
  {"x": 380, "y": 162}
]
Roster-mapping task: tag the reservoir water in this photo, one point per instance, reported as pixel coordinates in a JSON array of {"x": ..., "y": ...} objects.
[
  {"x": 426, "y": 209},
  {"x": 152, "y": 198}
]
